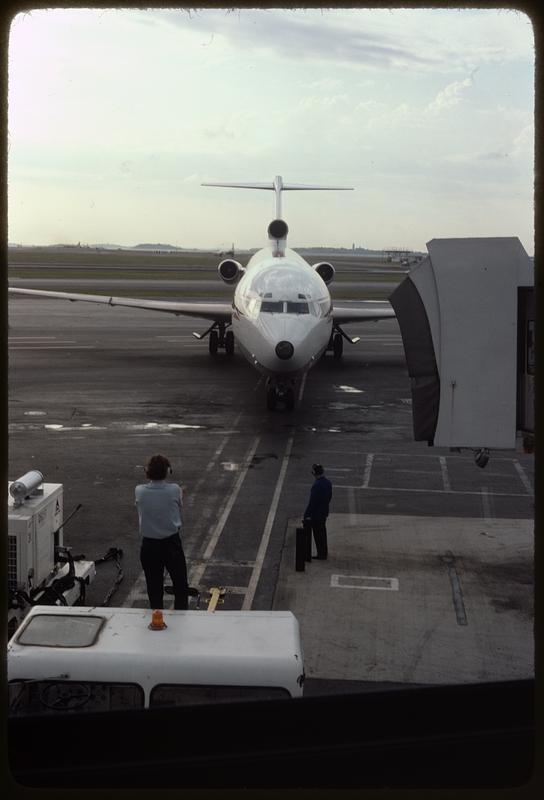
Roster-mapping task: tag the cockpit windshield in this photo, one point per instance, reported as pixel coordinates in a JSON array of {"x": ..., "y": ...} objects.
[
  {"x": 284, "y": 307},
  {"x": 297, "y": 307},
  {"x": 272, "y": 306}
]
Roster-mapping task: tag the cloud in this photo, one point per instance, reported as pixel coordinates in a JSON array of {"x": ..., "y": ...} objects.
[
  {"x": 450, "y": 96},
  {"x": 301, "y": 35}
]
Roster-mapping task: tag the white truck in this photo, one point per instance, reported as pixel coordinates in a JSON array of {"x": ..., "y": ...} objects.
[{"x": 103, "y": 659}]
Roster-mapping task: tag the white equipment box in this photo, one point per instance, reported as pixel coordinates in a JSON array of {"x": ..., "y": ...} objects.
[{"x": 31, "y": 536}]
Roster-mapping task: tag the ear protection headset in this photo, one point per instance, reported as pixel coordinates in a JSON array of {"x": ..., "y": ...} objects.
[
  {"x": 166, "y": 462},
  {"x": 317, "y": 470}
]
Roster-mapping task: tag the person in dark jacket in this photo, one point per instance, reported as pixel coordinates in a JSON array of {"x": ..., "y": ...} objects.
[{"x": 317, "y": 509}]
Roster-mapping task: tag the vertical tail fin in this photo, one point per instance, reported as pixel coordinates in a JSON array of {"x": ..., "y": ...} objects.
[{"x": 278, "y": 186}]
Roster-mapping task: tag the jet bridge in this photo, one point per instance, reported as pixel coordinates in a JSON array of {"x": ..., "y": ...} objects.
[{"x": 467, "y": 316}]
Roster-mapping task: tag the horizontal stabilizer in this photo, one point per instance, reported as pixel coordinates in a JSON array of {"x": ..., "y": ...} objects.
[{"x": 279, "y": 186}]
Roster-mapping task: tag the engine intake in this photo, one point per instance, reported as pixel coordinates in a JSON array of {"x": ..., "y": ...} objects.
[
  {"x": 278, "y": 229},
  {"x": 325, "y": 271},
  {"x": 230, "y": 270}
]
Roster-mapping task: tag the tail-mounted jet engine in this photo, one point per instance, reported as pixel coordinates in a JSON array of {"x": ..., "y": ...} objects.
[
  {"x": 230, "y": 271},
  {"x": 277, "y": 232},
  {"x": 325, "y": 271}
]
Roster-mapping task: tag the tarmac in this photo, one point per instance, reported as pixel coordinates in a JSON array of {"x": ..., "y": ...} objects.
[
  {"x": 429, "y": 578},
  {"x": 414, "y": 600}
]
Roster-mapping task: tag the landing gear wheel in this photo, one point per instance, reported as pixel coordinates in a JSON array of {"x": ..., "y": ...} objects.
[
  {"x": 338, "y": 345},
  {"x": 213, "y": 342},
  {"x": 229, "y": 343},
  {"x": 271, "y": 399},
  {"x": 290, "y": 399}
]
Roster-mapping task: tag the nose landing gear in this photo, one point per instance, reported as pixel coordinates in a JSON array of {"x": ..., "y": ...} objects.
[
  {"x": 280, "y": 393},
  {"x": 336, "y": 342}
]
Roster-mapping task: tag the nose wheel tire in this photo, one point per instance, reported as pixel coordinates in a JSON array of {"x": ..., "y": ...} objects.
[
  {"x": 271, "y": 399},
  {"x": 229, "y": 343}
]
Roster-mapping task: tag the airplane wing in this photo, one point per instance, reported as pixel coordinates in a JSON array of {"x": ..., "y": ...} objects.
[
  {"x": 217, "y": 312},
  {"x": 364, "y": 311}
]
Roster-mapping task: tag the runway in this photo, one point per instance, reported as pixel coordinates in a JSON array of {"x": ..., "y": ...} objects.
[{"x": 94, "y": 391}]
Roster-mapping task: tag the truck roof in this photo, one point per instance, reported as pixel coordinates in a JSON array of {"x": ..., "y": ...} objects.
[{"x": 250, "y": 648}]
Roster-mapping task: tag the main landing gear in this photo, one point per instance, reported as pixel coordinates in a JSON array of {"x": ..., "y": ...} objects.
[
  {"x": 280, "y": 393},
  {"x": 336, "y": 342},
  {"x": 218, "y": 338}
]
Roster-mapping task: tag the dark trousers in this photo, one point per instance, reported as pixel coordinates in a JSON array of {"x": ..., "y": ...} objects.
[
  {"x": 155, "y": 556},
  {"x": 319, "y": 530}
]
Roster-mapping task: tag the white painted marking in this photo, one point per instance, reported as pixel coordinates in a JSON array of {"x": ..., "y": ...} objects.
[
  {"x": 523, "y": 476},
  {"x": 348, "y": 389},
  {"x": 445, "y": 475},
  {"x": 427, "y": 491},
  {"x": 35, "y": 413},
  {"x": 55, "y": 347},
  {"x": 259, "y": 559},
  {"x": 407, "y": 455},
  {"x": 486, "y": 504},
  {"x": 63, "y": 428},
  {"x": 368, "y": 469},
  {"x": 364, "y": 582},
  {"x": 216, "y": 533},
  {"x": 31, "y": 338},
  {"x": 138, "y": 591},
  {"x": 302, "y": 385}
]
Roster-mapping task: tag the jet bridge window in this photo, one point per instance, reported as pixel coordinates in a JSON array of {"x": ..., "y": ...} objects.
[{"x": 272, "y": 306}]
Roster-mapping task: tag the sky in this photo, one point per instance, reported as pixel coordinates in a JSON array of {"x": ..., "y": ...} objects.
[{"x": 116, "y": 117}]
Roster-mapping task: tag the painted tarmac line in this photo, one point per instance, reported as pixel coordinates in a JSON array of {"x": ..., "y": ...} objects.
[
  {"x": 430, "y": 491},
  {"x": 211, "y": 463},
  {"x": 197, "y": 573},
  {"x": 301, "y": 390},
  {"x": 368, "y": 469},
  {"x": 487, "y": 502},
  {"x": 523, "y": 477},
  {"x": 445, "y": 475},
  {"x": 263, "y": 546}
]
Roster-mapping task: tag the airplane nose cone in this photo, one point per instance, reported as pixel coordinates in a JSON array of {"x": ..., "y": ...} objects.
[{"x": 284, "y": 350}]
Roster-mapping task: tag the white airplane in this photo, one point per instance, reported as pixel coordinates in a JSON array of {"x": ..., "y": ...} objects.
[{"x": 281, "y": 316}]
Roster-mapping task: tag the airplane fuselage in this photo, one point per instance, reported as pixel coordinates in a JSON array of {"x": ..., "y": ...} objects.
[{"x": 282, "y": 316}]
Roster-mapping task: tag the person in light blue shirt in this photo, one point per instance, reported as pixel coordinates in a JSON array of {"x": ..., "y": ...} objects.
[{"x": 159, "y": 505}]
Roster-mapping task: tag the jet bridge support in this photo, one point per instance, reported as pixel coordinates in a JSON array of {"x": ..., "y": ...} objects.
[{"x": 467, "y": 316}]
